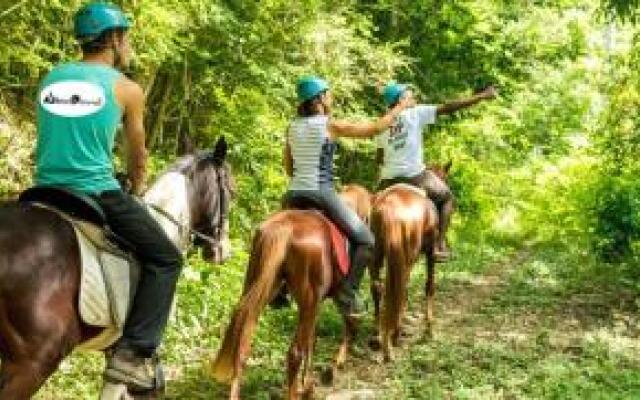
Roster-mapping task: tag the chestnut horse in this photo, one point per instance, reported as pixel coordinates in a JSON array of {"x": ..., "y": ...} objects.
[
  {"x": 40, "y": 267},
  {"x": 291, "y": 247},
  {"x": 405, "y": 224}
]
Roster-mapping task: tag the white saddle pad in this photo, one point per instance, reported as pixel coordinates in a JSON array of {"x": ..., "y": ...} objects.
[{"x": 108, "y": 280}]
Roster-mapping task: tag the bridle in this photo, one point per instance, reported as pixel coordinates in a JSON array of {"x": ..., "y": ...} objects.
[{"x": 215, "y": 238}]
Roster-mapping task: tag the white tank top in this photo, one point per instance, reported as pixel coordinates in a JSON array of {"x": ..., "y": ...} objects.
[{"x": 312, "y": 152}]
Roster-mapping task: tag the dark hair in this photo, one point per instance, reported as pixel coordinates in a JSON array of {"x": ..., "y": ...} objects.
[
  {"x": 309, "y": 108},
  {"x": 100, "y": 43}
]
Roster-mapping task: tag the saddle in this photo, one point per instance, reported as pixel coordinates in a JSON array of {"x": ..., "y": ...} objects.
[
  {"x": 109, "y": 273},
  {"x": 339, "y": 242}
]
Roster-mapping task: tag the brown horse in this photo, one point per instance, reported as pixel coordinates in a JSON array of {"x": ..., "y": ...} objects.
[
  {"x": 405, "y": 224},
  {"x": 291, "y": 247},
  {"x": 40, "y": 271}
]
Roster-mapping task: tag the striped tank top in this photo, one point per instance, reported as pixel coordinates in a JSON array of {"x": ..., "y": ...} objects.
[{"x": 312, "y": 151}]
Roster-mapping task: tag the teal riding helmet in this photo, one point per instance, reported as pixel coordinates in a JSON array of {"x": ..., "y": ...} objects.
[
  {"x": 392, "y": 92},
  {"x": 310, "y": 86},
  {"x": 94, "y": 18}
]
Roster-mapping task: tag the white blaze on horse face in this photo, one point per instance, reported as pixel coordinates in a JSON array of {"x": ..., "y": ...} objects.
[{"x": 170, "y": 193}]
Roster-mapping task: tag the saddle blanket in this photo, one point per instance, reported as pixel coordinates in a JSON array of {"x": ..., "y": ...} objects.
[
  {"x": 340, "y": 246},
  {"x": 108, "y": 281}
]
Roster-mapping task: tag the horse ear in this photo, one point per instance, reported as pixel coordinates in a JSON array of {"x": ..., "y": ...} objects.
[
  {"x": 220, "y": 151},
  {"x": 447, "y": 166}
]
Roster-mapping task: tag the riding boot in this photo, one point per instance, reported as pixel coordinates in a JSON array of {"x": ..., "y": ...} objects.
[
  {"x": 445, "y": 210},
  {"x": 347, "y": 299}
]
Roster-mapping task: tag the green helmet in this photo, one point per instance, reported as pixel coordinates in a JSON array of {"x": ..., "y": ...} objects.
[
  {"x": 310, "y": 86},
  {"x": 95, "y": 18},
  {"x": 392, "y": 92}
]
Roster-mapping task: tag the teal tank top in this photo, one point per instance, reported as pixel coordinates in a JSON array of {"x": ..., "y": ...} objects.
[{"x": 78, "y": 117}]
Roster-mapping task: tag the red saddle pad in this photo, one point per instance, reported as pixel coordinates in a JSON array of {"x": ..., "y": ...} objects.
[{"x": 340, "y": 248}]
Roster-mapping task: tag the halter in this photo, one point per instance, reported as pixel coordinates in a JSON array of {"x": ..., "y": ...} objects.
[
  {"x": 217, "y": 228},
  {"x": 182, "y": 227}
]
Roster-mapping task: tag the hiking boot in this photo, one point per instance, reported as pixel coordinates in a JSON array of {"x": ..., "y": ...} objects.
[
  {"x": 142, "y": 374},
  {"x": 349, "y": 302}
]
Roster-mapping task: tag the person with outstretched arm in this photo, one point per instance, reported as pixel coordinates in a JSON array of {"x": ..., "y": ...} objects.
[
  {"x": 308, "y": 160},
  {"x": 400, "y": 150}
]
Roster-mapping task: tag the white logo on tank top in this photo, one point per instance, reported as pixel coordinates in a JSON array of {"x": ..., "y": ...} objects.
[{"x": 72, "y": 98}]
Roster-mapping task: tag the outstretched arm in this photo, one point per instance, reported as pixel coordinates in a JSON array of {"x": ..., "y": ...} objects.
[
  {"x": 367, "y": 129},
  {"x": 453, "y": 106}
]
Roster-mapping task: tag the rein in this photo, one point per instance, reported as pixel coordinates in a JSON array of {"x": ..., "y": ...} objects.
[{"x": 181, "y": 226}]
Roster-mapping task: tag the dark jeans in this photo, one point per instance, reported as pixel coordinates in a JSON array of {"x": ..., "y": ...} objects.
[
  {"x": 359, "y": 235},
  {"x": 161, "y": 263},
  {"x": 436, "y": 188}
]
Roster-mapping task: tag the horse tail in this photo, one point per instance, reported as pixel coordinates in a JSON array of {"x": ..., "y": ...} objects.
[
  {"x": 268, "y": 253},
  {"x": 393, "y": 232}
]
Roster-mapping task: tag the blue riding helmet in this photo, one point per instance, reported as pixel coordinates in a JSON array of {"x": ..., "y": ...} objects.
[
  {"x": 94, "y": 18},
  {"x": 310, "y": 86},
  {"x": 392, "y": 92}
]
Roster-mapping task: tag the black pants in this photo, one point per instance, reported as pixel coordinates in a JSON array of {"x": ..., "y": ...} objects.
[
  {"x": 161, "y": 263},
  {"x": 436, "y": 188},
  {"x": 360, "y": 236}
]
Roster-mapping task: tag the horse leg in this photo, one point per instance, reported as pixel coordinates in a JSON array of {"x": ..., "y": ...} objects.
[
  {"x": 377, "y": 289},
  {"x": 430, "y": 291},
  {"x": 301, "y": 347},
  {"x": 350, "y": 329}
]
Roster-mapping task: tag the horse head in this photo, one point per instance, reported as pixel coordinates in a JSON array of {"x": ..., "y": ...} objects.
[{"x": 213, "y": 188}]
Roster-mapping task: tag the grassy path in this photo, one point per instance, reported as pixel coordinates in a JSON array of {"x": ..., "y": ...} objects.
[
  {"x": 537, "y": 323},
  {"x": 515, "y": 331}
]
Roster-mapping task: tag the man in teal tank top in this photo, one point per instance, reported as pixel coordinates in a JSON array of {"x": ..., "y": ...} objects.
[{"x": 80, "y": 108}]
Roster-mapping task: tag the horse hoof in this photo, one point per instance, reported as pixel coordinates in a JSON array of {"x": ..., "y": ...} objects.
[
  {"x": 328, "y": 375},
  {"x": 115, "y": 391},
  {"x": 375, "y": 343}
]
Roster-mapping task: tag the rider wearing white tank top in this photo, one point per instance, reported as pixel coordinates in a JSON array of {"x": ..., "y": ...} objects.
[
  {"x": 312, "y": 150},
  {"x": 308, "y": 160}
]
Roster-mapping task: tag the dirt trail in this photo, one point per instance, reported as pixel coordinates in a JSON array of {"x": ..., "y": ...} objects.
[{"x": 456, "y": 308}]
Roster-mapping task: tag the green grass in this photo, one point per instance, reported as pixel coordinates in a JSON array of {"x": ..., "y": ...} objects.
[{"x": 552, "y": 325}]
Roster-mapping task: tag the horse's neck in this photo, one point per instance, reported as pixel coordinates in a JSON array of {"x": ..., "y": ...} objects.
[{"x": 170, "y": 193}]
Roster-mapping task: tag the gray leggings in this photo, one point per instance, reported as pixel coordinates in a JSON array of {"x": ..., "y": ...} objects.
[
  {"x": 345, "y": 218},
  {"x": 332, "y": 205}
]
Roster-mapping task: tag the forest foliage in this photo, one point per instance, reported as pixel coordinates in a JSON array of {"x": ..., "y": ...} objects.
[
  {"x": 552, "y": 160},
  {"x": 213, "y": 68}
]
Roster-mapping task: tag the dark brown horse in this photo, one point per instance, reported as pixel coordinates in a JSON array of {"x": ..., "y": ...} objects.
[
  {"x": 40, "y": 272},
  {"x": 291, "y": 247},
  {"x": 405, "y": 224}
]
